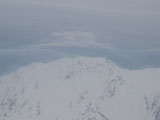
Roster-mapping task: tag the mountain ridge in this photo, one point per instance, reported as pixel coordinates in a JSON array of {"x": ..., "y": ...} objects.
[{"x": 75, "y": 89}]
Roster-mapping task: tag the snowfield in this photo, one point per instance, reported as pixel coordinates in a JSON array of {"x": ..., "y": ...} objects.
[{"x": 80, "y": 89}]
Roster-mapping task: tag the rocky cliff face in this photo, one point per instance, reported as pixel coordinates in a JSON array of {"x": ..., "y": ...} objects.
[{"x": 73, "y": 89}]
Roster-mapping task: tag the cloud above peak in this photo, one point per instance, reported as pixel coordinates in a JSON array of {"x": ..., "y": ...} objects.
[
  {"x": 73, "y": 38},
  {"x": 70, "y": 39}
]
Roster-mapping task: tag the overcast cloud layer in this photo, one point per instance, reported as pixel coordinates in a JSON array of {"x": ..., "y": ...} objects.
[{"x": 124, "y": 31}]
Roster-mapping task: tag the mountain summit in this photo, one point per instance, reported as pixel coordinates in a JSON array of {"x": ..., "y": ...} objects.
[{"x": 76, "y": 89}]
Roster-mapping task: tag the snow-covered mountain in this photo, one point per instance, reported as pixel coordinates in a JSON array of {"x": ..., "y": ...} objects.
[{"x": 80, "y": 89}]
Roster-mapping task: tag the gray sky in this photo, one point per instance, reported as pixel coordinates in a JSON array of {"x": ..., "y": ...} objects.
[{"x": 124, "y": 31}]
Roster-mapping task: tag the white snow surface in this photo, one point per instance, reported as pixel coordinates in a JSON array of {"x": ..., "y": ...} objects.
[{"x": 80, "y": 88}]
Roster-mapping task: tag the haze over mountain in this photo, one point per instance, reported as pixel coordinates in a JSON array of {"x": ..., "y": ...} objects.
[{"x": 80, "y": 88}]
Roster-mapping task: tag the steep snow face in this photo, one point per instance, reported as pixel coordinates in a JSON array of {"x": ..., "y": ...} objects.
[
  {"x": 147, "y": 83},
  {"x": 73, "y": 89}
]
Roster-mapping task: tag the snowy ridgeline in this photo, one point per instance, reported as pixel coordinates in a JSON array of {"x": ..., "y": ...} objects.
[{"x": 80, "y": 89}]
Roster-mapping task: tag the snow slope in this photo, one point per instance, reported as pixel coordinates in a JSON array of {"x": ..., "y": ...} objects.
[{"x": 80, "y": 89}]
